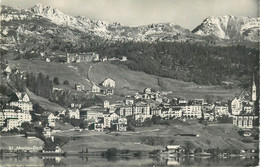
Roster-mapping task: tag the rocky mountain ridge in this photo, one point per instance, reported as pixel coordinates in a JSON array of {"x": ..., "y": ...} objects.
[
  {"x": 48, "y": 24},
  {"x": 230, "y": 27}
]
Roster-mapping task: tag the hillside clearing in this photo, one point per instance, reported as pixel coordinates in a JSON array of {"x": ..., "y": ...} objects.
[{"x": 127, "y": 81}]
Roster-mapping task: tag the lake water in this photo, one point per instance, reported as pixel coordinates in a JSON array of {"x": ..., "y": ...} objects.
[{"x": 143, "y": 161}]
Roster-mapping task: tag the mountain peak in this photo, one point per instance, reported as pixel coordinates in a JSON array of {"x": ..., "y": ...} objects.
[
  {"x": 44, "y": 10},
  {"x": 229, "y": 27}
]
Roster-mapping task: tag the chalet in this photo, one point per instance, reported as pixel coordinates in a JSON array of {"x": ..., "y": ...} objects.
[
  {"x": 113, "y": 116},
  {"x": 182, "y": 101},
  {"x": 98, "y": 126},
  {"x": 74, "y": 113},
  {"x": 124, "y": 58},
  {"x": 129, "y": 102},
  {"x": 95, "y": 89},
  {"x": 73, "y": 105},
  {"x": 22, "y": 96},
  {"x": 141, "y": 117},
  {"x": 210, "y": 107},
  {"x": 109, "y": 118},
  {"x": 107, "y": 121},
  {"x": 146, "y": 96},
  {"x": 48, "y": 60},
  {"x": 236, "y": 106},
  {"x": 209, "y": 116},
  {"x": 137, "y": 96},
  {"x": 47, "y": 132},
  {"x": 8, "y": 69},
  {"x": 160, "y": 100},
  {"x": 79, "y": 87},
  {"x": 49, "y": 118},
  {"x": 141, "y": 108},
  {"x": 120, "y": 124},
  {"x": 221, "y": 110},
  {"x": 106, "y": 104},
  {"x": 109, "y": 83},
  {"x": 23, "y": 102},
  {"x": 147, "y": 91},
  {"x": 248, "y": 109},
  {"x": 104, "y": 59},
  {"x": 198, "y": 102},
  {"x": 157, "y": 111},
  {"x": 125, "y": 111},
  {"x": 108, "y": 92}
]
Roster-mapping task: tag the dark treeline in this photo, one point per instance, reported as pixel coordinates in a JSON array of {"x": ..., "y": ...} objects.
[
  {"x": 202, "y": 64},
  {"x": 41, "y": 85}
]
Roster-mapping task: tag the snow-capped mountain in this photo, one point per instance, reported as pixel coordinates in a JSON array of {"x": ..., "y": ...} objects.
[
  {"x": 43, "y": 24},
  {"x": 111, "y": 31},
  {"x": 230, "y": 27}
]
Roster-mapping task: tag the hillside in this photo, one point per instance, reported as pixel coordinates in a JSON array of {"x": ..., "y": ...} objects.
[
  {"x": 165, "y": 49},
  {"x": 127, "y": 81}
]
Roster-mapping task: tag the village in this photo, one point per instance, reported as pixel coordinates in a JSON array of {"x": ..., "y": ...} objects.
[{"x": 122, "y": 114}]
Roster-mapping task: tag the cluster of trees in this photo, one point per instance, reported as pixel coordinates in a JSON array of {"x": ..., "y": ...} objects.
[
  {"x": 41, "y": 85},
  {"x": 58, "y": 141},
  {"x": 189, "y": 62},
  {"x": 217, "y": 151},
  {"x": 148, "y": 122},
  {"x": 17, "y": 82},
  {"x": 66, "y": 97},
  {"x": 81, "y": 123}
]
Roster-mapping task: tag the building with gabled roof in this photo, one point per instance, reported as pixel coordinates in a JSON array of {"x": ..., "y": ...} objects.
[
  {"x": 95, "y": 89},
  {"x": 23, "y": 101},
  {"x": 236, "y": 106},
  {"x": 109, "y": 83}
]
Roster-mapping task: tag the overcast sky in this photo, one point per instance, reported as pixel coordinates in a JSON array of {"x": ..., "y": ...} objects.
[{"x": 186, "y": 13}]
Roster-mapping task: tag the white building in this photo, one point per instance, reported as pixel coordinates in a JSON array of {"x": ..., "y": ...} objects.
[
  {"x": 236, "y": 106},
  {"x": 192, "y": 111},
  {"x": 109, "y": 83},
  {"x": 141, "y": 108},
  {"x": 125, "y": 111},
  {"x": 8, "y": 69},
  {"x": 120, "y": 124},
  {"x": 243, "y": 121},
  {"x": 221, "y": 110},
  {"x": 14, "y": 117},
  {"x": 79, "y": 87},
  {"x": 49, "y": 118},
  {"x": 12, "y": 123},
  {"x": 106, "y": 104},
  {"x": 23, "y": 102},
  {"x": 95, "y": 89},
  {"x": 124, "y": 58},
  {"x": 74, "y": 113},
  {"x": 147, "y": 91}
]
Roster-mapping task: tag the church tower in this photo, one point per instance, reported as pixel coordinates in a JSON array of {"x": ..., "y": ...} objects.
[
  {"x": 253, "y": 90},
  {"x": 68, "y": 58}
]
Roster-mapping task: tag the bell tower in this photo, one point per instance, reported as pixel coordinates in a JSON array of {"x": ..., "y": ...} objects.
[{"x": 253, "y": 90}]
